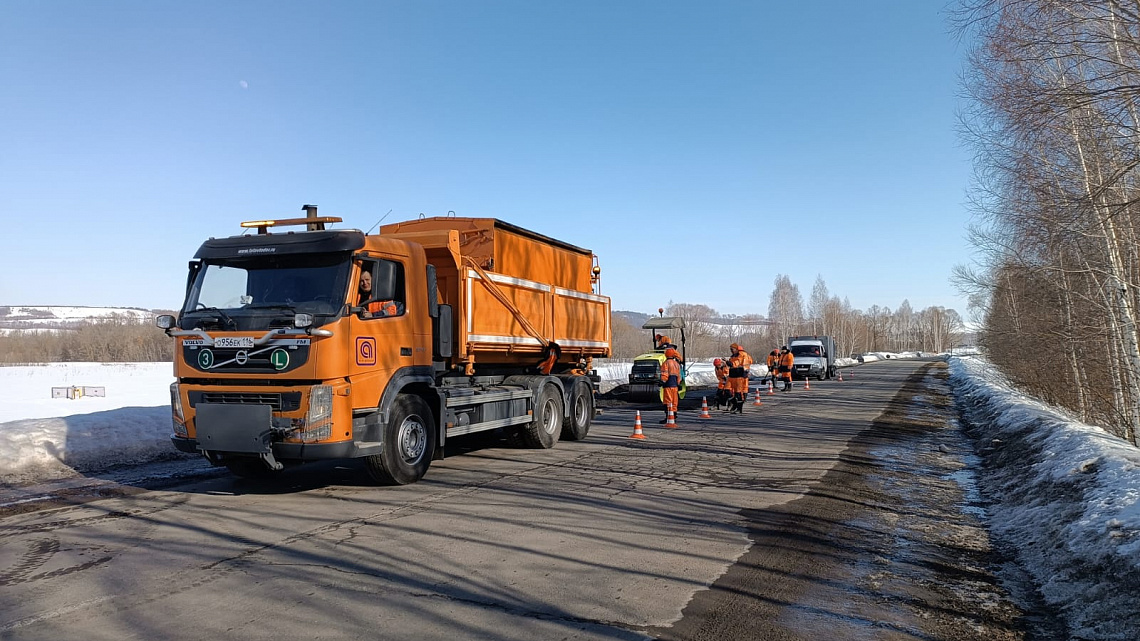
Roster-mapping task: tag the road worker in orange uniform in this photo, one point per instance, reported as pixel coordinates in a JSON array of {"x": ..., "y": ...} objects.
[
  {"x": 786, "y": 361},
  {"x": 723, "y": 392},
  {"x": 738, "y": 366},
  {"x": 671, "y": 381},
  {"x": 773, "y": 365},
  {"x": 374, "y": 308}
]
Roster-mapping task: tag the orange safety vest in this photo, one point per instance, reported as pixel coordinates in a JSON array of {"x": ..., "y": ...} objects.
[
  {"x": 786, "y": 361},
  {"x": 671, "y": 373},
  {"x": 745, "y": 361},
  {"x": 722, "y": 377},
  {"x": 384, "y": 307}
]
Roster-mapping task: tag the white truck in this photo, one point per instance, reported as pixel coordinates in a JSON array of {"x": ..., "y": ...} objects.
[{"x": 814, "y": 357}]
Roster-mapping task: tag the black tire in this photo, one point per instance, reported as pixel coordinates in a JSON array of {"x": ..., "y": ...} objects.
[
  {"x": 408, "y": 446},
  {"x": 581, "y": 416},
  {"x": 248, "y": 467},
  {"x": 546, "y": 426}
]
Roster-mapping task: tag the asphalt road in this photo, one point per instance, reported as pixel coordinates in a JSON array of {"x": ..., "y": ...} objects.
[{"x": 608, "y": 538}]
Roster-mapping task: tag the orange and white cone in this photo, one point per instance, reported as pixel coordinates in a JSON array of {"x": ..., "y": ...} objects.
[
  {"x": 770, "y": 387},
  {"x": 807, "y": 383},
  {"x": 756, "y": 401},
  {"x": 840, "y": 376},
  {"x": 704, "y": 408},
  {"x": 637, "y": 433},
  {"x": 671, "y": 422}
]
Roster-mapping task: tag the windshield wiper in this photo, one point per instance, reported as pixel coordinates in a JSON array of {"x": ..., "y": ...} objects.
[
  {"x": 272, "y": 306},
  {"x": 218, "y": 314}
]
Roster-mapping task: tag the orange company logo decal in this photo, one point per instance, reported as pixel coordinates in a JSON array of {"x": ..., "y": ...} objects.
[{"x": 365, "y": 350}]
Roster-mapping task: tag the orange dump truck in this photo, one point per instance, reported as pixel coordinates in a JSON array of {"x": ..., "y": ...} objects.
[{"x": 330, "y": 343}]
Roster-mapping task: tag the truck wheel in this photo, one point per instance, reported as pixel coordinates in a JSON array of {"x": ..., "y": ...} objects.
[
  {"x": 544, "y": 429},
  {"x": 409, "y": 442},
  {"x": 248, "y": 467},
  {"x": 581, "y": 412}
]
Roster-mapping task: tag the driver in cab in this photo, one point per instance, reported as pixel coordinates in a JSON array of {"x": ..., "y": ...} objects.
[{"x": 374, "y": 308}]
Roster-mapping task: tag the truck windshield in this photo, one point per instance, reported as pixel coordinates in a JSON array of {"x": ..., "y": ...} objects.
[
  {"x": 806, "y": 350},
  {"x": 265, "y": 291}
]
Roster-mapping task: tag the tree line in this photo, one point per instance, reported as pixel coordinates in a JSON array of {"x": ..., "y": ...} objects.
[
  {"x": 1054, "y": 121},
  {"x": 708, "y": 333},
  {"x": 117, "y": 338}
]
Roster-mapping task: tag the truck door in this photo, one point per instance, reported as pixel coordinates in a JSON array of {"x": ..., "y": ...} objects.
[{"x": 382, "y": 329}]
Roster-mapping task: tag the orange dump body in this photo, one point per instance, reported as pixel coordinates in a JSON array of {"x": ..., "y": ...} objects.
[{"x": 513, "y": 291}]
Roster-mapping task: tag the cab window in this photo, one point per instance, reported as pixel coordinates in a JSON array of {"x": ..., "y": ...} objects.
[{"x": 380, "y": 289}]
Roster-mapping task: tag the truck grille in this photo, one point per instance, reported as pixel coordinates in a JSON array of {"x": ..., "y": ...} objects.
[{"x": 280, "y": 402}]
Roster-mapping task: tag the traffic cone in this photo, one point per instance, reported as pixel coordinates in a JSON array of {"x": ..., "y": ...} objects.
[
  {"x": 671, "y": 422},
  {"x": 807, "y": 383},
  {"x": 704, "y": 408},
  {"x": 840, "y": 376},
  {"x": 756, "y": 402},
  {"x": 770, "y": 390},
  {"x": 637, "y": 433}
]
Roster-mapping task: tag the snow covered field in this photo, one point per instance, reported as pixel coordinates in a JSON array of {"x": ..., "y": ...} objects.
[{"x": 17, "y": 319}]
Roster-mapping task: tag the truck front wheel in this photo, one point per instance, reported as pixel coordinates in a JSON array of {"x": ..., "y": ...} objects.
[
  {"x": 409, "y": 442},
  {"x": 546, "y": 425}
]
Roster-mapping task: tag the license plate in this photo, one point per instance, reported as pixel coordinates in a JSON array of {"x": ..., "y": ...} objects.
[{"x": 241, "y": 341}]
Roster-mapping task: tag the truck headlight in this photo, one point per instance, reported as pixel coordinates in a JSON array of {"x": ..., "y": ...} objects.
[
  {"x": 176, "y": 415},
  {"x": 318, "y": 422},
  {"x": 320, "y": 404}
]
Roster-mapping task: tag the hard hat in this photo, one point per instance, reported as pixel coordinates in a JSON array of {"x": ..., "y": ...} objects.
[
  {"x": 671, "y": 353},
  {"x": 735, "y": 347},
  {"x": 717, "y": 362}
]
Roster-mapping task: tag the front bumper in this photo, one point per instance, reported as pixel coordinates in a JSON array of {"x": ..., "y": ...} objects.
[
  {"x": 806, "y": 371},
  {"x": 293, "y": 451}
]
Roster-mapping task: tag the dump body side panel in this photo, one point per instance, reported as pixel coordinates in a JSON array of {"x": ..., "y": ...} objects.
[{"x": 536, "y": 290}]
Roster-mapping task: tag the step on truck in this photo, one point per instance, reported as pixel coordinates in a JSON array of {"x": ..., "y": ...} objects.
[{"x": 296, "y": 346}]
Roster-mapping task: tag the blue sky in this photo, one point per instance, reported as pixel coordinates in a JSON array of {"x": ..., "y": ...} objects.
[{"x": 698, "y": 148}]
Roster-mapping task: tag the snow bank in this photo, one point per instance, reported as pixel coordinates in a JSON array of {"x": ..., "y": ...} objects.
[
  {"x": 45, "y": 437},
  {"x": 42, "y": 448},
  {"x": 1067, "y": 499}
]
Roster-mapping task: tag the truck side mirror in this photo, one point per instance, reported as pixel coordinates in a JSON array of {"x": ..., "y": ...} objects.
[{"x": 442, "y": 329}]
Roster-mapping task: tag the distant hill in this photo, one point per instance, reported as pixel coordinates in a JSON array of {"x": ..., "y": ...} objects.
[
  {"x": 55, "y": 317},
  {"x": 637, "y": 319}
]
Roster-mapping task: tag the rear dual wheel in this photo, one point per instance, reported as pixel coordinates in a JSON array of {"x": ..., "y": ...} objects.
[
  {"x": 581, "y": 412},
  {"x": 546, "y": 424}
]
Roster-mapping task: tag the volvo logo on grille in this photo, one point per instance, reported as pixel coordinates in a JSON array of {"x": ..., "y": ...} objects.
[{"x": 241, "y": 357}]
